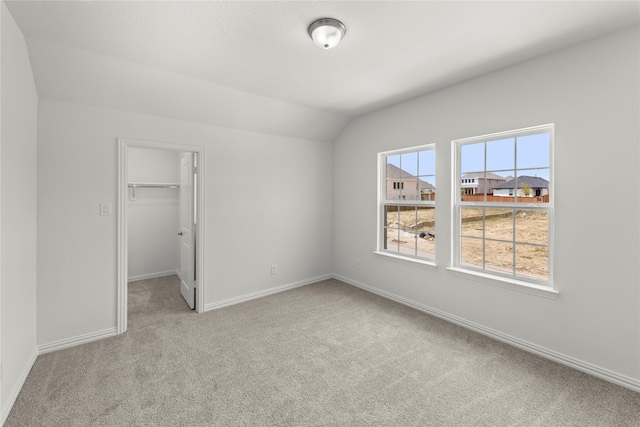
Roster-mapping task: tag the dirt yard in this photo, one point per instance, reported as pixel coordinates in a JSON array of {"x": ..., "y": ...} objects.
[
  {"x": 530, "y": 227},
  {"x": 406, "y": 239}
]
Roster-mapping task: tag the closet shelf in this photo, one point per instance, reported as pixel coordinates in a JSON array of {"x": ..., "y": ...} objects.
[{"x": 134, "y": 185}]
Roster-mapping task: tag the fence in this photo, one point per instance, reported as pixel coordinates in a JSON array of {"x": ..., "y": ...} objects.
[
  {"x": 491, "y": 198},
  {"x": 480, "y": 198}
]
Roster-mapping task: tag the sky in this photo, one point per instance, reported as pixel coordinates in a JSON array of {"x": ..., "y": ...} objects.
[{"x": 530, "y": 154}]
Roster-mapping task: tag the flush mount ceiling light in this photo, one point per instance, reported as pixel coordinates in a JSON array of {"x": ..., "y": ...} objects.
[{"x": 327, "y": 32}]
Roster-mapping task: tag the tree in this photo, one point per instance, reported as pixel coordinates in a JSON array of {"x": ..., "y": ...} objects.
[{"x": 526, "y": 189}]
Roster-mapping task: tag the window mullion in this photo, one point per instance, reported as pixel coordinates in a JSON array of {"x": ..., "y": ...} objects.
[
  {"x": 400, "y": 181},
  {"x": 484, "y": 238},
  {"x": 515, "y": 168},
  {"x": 513, "y": 238},
  {"x": 415, "y": 246},
  {"x": 484, "y": 172}
]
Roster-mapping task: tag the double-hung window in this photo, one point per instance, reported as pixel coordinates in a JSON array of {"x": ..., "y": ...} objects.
[
  {"x": 407, "y": 199},
  {"x": 503, "y": 206}
]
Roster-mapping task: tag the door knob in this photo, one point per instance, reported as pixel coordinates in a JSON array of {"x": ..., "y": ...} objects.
[{"x": 180, "y": 233}]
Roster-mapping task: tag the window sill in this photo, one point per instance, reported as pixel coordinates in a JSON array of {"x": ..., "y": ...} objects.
[
  {"x": 418, "y": 261},
  {"x": 504, "y": 282}
]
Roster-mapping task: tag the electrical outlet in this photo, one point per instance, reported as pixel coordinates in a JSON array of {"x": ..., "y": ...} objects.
[{"x": 274, "y": 269}]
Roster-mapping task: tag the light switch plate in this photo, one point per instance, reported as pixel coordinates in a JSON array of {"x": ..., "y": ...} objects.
[{"x": 105, "y": 209}]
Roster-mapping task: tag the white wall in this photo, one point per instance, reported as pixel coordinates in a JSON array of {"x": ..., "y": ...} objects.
[
  {"x": 590, "y": 92},
  {"x": 268, "y": 201},
  {"x": 153, "y": 217},
  {"x": 18, "y": 225}
]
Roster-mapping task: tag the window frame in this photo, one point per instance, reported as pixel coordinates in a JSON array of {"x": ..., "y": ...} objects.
[
  {"x": 514, "y": 281},
  {"x": 383, "y": 202}
]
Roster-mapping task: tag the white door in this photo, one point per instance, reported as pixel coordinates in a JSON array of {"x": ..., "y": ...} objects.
[{"x": 187, "y": 230}]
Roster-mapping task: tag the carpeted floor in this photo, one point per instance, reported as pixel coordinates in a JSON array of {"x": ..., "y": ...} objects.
[{"x": 325, "y": 354}]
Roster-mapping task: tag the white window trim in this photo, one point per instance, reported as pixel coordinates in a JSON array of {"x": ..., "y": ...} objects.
[
  {"x": 506, "y": 282},
  {"x": 381, "y": 201},
  {"x": 536, "y": 287},
  {"x": 418, "y": 261}
]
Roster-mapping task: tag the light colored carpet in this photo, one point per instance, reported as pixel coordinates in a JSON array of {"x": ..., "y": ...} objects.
[{"x": 325, "y": 354}]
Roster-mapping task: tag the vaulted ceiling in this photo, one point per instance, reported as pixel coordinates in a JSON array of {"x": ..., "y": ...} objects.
[{"x": 176, "y": 58}]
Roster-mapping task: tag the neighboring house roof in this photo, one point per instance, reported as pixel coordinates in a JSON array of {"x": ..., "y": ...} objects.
[
  {"x": 481, "y": 175},
  {"x": 531, "y": 181},
  {"x": 394, "y": 172}
]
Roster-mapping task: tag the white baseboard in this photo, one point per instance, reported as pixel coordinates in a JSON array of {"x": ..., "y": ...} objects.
[
  {"x": 264, "y": 293},
  {"x": 153, "y": 275},
  {"x": 580, "y": 365},
  {"x": 77, "y": 340},
  {"x": 15, "y": 391}
]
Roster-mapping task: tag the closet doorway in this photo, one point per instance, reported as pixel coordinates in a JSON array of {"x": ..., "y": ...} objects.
[{"x": 160, "y": 211}]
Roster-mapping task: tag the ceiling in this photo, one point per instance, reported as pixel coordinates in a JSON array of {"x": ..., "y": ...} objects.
[{"x": 392, "y": 50}]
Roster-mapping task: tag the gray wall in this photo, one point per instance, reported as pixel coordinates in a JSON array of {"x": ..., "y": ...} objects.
[
  {"x": 18, "y": 216},
  {"x": 590, "y": 92}
]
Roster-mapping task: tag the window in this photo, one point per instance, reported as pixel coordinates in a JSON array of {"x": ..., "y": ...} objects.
[
  {"x": 504, "y": 229},
  {"x": 406, "y": 220}
]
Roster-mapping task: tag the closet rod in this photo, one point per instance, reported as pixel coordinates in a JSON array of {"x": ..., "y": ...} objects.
[
  {"x": 135, "y": 185},
  {"x": 152, "y": 185}
]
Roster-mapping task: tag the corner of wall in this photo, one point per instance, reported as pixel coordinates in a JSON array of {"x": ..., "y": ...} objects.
[{"x": 18, "y": 180}]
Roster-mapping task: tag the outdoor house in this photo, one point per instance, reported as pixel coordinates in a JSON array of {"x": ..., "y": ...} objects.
[
  {"x": 478, "y": 183},
  {"x": 401, "y": 185},
  {"x": 528, "y": 186}
]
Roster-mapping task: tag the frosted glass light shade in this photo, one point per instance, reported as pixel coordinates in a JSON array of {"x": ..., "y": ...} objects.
[{"x": 327, "y": 32}]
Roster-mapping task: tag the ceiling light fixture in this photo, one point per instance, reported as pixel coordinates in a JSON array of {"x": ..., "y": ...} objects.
[{"x": 327, "y": 32}]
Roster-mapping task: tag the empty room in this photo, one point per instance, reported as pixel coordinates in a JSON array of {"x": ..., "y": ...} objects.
[{"x": 320, "y": 213}]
